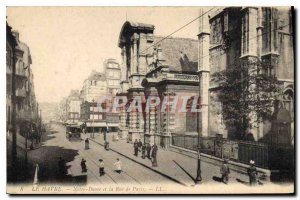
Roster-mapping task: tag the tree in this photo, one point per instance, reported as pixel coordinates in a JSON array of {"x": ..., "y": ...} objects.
[{"x": 247, "y": 91}]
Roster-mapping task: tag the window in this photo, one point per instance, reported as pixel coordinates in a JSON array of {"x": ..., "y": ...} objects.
[
  {"x": 114, "y": 74},
  {"x": 113, "y": 82},
  {"x": 93, "y": 109},
  {"x": 96, "y": 117}
]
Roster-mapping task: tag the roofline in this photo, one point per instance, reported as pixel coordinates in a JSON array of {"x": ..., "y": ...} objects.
[{"x": 134, "y": 26}]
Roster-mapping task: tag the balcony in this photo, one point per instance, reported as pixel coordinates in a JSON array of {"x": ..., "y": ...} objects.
[{"x": 182, "y": 77}]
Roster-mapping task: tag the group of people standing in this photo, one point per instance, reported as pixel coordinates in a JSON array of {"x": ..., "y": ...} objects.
[{"x": 147, "y": 151}]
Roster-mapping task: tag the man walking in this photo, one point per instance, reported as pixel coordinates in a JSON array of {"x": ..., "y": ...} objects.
[
  {"x": 140, "y": 144},
  {"x": 104, "y": 134},
  {"x": 143, "y": 151},
  {"x": 148, "y": 149},
  {"x": 136, "y": 147},
  {"x": 224, "y": 170},
  {"x": 154, "y": 155}
]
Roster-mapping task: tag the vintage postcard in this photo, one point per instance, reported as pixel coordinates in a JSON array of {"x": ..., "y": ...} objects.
[{"x": 150, "y": 100}]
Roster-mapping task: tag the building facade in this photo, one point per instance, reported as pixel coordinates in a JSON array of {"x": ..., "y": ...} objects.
[
  {"x": 97, "y": 94},
  {"x": 10, "y": 62},
  {"x": 168, "y": 71},
  {"x": 113, "y": 75},
  {"x": 73, "y": 104},
  {"x": 260, "y": 34},
  {"x": 94, "y": 87},
  {"x": 26, "y": 106}
]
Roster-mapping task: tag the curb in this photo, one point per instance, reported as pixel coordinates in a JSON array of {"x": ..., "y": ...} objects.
[{"x": 154, "y": 170}]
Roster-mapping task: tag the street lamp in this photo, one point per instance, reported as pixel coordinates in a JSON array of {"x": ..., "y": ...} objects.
[{"x": 198, "y": 178}]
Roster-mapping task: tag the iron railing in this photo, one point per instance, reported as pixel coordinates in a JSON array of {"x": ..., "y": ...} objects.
[{"x": 264, "y": 155}]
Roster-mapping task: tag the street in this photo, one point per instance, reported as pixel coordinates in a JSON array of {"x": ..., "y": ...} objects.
[{"x": 56, "y": 145}]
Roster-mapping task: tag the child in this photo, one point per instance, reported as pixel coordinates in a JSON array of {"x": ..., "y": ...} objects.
[
  {"x": 225, "y": 171},
  {"x": 101, "y": 167},
  {"x": 118, "y": 165}
]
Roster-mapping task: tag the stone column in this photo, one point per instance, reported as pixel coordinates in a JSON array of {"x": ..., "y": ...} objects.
[
  {"x": 134, "y": 56},
  {"x": 132, "y": 59},
  {"x": 259, "y": 53},
  {"x": 151, "y": 117},
  {"x": 249, "y": 51},
  {"x": 204, "y": 71},
  {"x": 124, "y": 70}
]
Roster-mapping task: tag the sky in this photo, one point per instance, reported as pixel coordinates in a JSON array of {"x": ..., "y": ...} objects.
[{"x": 67, "y": 43}]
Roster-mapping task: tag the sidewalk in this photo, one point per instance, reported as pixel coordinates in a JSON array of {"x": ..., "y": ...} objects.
[{"x": 177, "y": 167}]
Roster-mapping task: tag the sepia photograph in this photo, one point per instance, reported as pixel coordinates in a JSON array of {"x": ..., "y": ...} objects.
[{"x": 150, "y": 100}]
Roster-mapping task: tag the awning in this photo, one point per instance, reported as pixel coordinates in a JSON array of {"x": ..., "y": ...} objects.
[
  {"x": 96, "y": 124},
  {"x": 112, "y": 124}
]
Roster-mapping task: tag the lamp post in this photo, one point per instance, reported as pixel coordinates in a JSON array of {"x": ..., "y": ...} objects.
[{"x": 198, "y": 178}]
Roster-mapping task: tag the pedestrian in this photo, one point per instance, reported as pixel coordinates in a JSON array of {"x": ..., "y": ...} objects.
[
  {"x": 87, "y": 143},
  {"x": 83, "y": 165},
  {"x": 118, "y": 166},
  {"x": 224, "y": 170},
  {"x": 101, "y": 167},
  {"x": 148, "y": 149},
  {"x": 84, "y": 128},
  {"x": 127, "y": 139},
  {"x": 154, "y": 155},
  {"x": 104, "y": 135},
  {"x": 140, "y": 144},
  {"x": 252, "y": 173},
  {"x": 136, "y": 147},
  {"x": 106, "y": 145},
  {"x": 143, "y": 151}
]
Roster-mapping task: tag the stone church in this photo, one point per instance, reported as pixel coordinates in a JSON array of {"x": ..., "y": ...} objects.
[
  {"x": 166, "y": 70},
  {"x": 249, "y": 33},
  {"x": 180, "y": 67}
]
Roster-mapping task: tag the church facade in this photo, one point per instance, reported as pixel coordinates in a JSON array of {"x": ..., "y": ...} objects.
[
  {"x": 250, "y": 35},
  {"x": 167, "y": 71}
]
